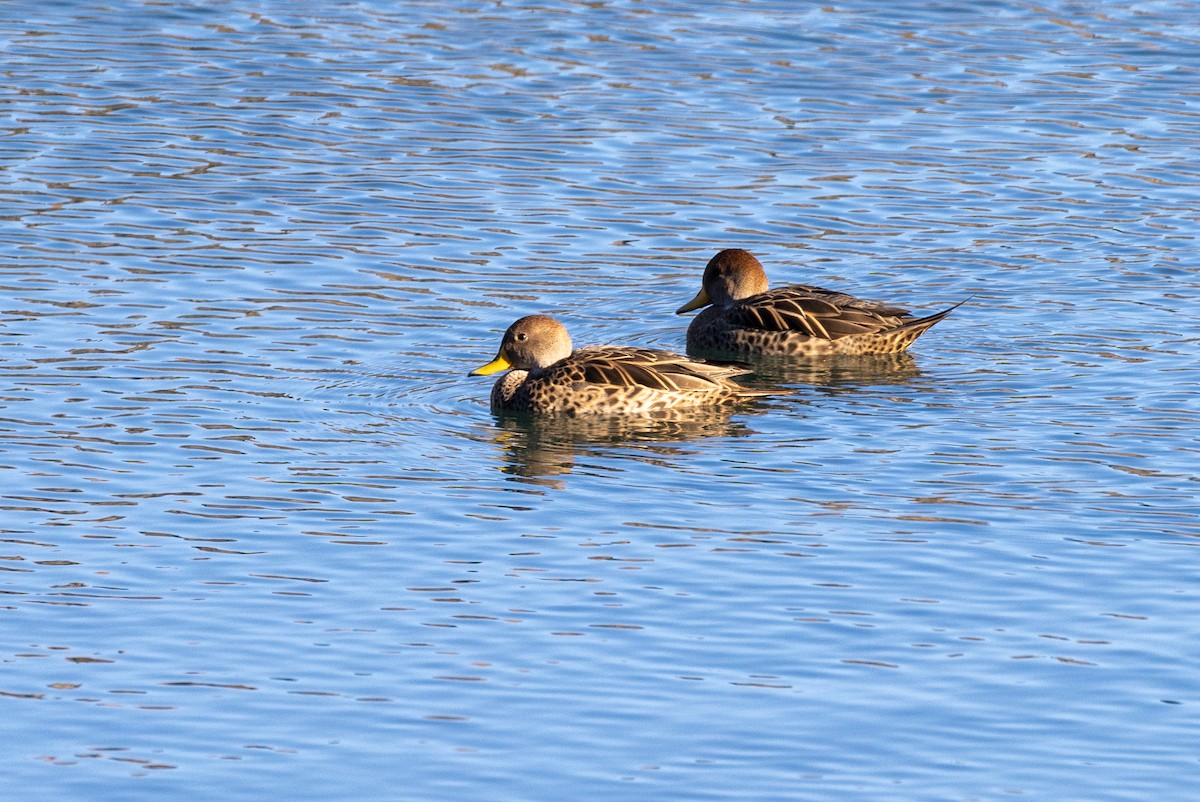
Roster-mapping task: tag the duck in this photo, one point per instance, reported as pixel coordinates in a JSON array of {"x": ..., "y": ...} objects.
[
  {"x": 546, "y": 374},
  {"x": 745, "y": 317}
]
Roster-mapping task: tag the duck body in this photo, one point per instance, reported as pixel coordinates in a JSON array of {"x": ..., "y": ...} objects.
[
  {"x": 745, "y": 317},
  {"x": 545, "y": 375}
]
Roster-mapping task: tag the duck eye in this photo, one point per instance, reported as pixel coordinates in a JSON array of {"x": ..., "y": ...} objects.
[{"x": 522, "y": 336}]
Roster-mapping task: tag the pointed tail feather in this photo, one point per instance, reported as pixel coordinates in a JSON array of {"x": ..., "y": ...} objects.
[{"x": 913, "y": 329}]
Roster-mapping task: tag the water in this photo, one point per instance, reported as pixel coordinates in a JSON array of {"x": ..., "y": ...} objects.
[{"x": 262, "y": 536}]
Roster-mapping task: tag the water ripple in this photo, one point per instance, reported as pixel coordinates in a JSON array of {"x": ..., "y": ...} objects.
[{"x": 251, "y": 255}]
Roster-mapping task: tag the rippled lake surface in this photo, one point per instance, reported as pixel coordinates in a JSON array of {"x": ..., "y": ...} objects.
[{"x": 261, "y": 536}]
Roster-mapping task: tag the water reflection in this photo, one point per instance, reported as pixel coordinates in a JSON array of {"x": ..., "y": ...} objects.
[
  {"x": 535, "y": 447},
  {"x": 840, "y": 372}
]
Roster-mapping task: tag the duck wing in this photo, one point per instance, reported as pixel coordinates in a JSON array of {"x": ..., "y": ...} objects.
[
  {"x": 621, "y": 366},
  {"x": 816, "y": 312}
]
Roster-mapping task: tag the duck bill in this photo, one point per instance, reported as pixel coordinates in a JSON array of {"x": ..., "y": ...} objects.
[
  {"x": 700, "y": 300},
  {"x": 495, "y": 366}
]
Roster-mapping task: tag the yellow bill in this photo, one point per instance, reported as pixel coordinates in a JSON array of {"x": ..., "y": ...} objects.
[
  {"x": 700, "y": 300},
  {"x": 495, "y": 366}
]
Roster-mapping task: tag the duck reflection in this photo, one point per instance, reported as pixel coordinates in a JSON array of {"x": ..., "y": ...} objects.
[
  {"x": 535, "y": 447},
  {"x": 840, "y": 372}
]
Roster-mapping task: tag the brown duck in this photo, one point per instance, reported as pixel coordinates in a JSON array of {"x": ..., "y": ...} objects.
[
  {"x": 745, "y": 317},
  {"x": 546, "y": 375}
]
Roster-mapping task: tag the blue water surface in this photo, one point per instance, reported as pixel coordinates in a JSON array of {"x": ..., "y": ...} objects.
[{"x": 261, "y": 536}]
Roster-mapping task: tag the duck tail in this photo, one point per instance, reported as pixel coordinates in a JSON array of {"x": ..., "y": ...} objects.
[{"x": 913, "y": 329}]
